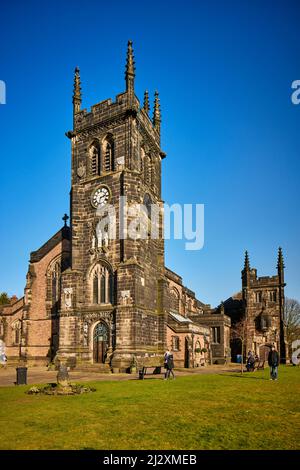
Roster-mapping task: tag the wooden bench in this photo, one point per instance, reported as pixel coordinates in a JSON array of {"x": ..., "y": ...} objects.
[
  {"x": 257, "y": 365},
  {"x": 260, "y": 365},
  {"x": 143, "y": 371},
  {"x": 149, "y": 366}
]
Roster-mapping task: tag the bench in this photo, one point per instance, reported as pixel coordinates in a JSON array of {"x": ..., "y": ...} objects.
[
  {"x": 149, "y": 365},
  {"x": 143, "y": 371},
  {"x": 260, "y": 365},
  {"x": 257, "y": 365}
]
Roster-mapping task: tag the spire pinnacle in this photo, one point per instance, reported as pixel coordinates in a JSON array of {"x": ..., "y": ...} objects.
[
  {"x": 130, "y": 68},
  {"x": 280, "y": 261},
  {"x": 76, "y": 92},
  {"x": 156, "y": 113},
  {"x": 247, "y": 262},
  {"x": 146, "y": 105}
]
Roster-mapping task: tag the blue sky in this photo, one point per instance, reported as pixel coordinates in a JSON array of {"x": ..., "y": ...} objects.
[{"x": 231, "y": 133}]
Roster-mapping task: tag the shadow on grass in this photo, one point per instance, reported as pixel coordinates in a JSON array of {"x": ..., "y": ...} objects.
[{"x": 243, "y": 376}]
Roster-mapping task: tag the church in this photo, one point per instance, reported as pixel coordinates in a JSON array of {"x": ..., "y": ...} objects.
[{"x": 101, "y": 302}]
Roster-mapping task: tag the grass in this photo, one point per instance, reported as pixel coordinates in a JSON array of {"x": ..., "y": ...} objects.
[{"x": 193, "y": 412}]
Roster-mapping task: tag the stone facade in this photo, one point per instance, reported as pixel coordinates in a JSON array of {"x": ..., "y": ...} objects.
[
  {"x": 94, "y": 298},
  {"x": 261, "y": 304}
]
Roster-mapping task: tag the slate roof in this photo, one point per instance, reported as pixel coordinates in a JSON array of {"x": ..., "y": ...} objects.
[{"x": 179, "y": 318}]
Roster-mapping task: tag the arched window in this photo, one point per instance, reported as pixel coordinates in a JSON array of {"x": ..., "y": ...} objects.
[
  {"x": 174, "y": 300},
  {"x": 147, "y": 170},
  {"x": 108, "y": 152},
  {"x": 147, "y": 202},
  {"x": 16, "y": 327},
  {"x": 142, "y": 161},
  {"x": 95, "y": 289},
  {"x": 175, "y": 343},
  {"x": 95, "y": 162},
  {"x": 272, "y": 296},
  {"x": 55, "y": 282},
  {"x": 102, "y": 285},
  {"x": 1, "y": 328}
]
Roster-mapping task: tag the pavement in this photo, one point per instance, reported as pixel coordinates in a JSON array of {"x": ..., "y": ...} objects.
[{"x": 40, "y": 375}]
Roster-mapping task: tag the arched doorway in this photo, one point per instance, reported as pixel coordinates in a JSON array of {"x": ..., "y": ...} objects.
[
  {"x": 187, "y": 353},
  {"x": 100, "y": 342},
  {"x": 264, "y": 350}
]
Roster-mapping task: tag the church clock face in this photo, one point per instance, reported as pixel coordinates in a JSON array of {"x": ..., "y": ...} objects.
[{"x": 100, "y": 197}]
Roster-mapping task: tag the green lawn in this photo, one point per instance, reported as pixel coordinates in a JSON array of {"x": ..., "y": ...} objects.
[{"x": 193, "y": 412}]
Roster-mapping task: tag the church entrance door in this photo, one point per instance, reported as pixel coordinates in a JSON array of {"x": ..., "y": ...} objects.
[
  {"x": 100, "y": 343},
  {"x": 187, "y": 354}
]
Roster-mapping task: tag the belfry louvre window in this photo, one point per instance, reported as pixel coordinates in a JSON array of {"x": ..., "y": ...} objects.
[
  {"x": 95, "y": 160},
  {"x": 102, "y": 285},
  {"x": 109, "y": 156}
]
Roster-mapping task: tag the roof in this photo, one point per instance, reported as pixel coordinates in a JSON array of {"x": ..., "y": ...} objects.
[
  {"x": 180, "y": 318},
  {"x": 63, "y": 234}
]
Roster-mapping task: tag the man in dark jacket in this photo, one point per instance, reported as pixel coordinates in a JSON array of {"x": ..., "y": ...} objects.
[
  {"x": 273, "y": 361},
  {"x": 170, "y": 367}
]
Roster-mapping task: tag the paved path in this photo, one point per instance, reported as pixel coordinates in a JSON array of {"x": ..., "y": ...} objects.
[{"x": 39, "y": 375}]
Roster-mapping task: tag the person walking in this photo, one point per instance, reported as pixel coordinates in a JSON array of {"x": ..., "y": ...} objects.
[
  {"x": 250, "y": 362},
  {"x": 273, "y": 361},
  {"x": 166, "y": 356},
  {"x": 170, "y": 367}
]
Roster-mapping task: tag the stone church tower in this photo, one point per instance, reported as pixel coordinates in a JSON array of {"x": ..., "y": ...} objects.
[
  {"x": 261, "y": 305},
  {"x": 98, "y": 293},
  {"x": 112, "y": 296}
]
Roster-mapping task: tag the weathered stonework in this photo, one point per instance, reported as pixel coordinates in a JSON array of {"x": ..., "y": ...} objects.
[{"x": 93, "y": 300}]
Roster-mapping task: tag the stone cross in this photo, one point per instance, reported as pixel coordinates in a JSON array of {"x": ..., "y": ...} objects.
[{"x": 65, "y": 218}]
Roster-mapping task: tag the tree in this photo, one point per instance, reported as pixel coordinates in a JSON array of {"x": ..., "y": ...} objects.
[
  {"x": 291, "y": 321},
  {"x": 239, "y": 331},
  {"x": 4, "y": 298}
]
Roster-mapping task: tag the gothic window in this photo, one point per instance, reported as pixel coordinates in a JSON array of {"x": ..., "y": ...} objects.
[
  {"x": 258, "y": 296},
  {"x": 102, "y": 285},
  {"x": 16, "y": 327},
  {"x": 142, "y": 161},
  {"x": 273, "y": 296},
  {"x": 149, "y": 173},
  {"x": 108, "y": 148},
  {"x": 55, "y": 282},
  {"x": 95, "y": 289},
  {"x": 147, "y": 170},
  {"x": 216, "y": 334},
  {"x": 147, "y": 202},
  {"x": 175, "y": 300},
  {"x": 95, "y": 160}
]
